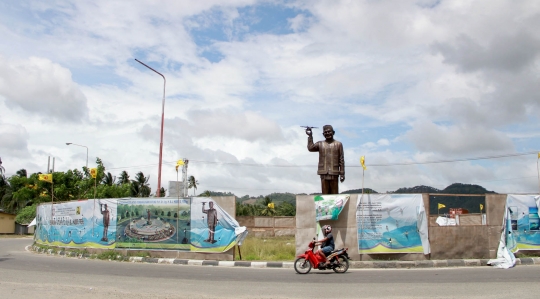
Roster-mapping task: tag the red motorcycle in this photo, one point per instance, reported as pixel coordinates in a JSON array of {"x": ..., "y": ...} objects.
[{"x": 339, "y": 260}]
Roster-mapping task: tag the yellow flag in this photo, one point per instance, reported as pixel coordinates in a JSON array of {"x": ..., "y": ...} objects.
[
  {"x": 481, "y": 207},
  {"x": 93, "y": 172},
  {"x": 271, "y": 205},
  {"x": 179, "y": 163},
  {"x": 46, "y": 177},
  {"x": 441, "y": 206},
  {"x": 363, "y": 162},
  {"x": 538, "y": 155}
]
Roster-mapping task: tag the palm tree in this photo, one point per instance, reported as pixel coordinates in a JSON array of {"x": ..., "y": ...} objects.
[
  {"x": 2, "y": 169},
  {"x": 22, "y": 173},
  {"x": 123, "y": 178},
  {"x": 192, "y": 183},
  {"x": 266, "y": 209},
  {"x": 140, "y": 186},
  {"x": 109, "y": 179}
]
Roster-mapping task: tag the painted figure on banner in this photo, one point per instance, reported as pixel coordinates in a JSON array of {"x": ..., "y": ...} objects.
[
  {"x": 212, "y": 219},
  {"x": 106, "y": 217},
  {"x": 148, "y": 214},
  {"x": 331, "y": 159}
]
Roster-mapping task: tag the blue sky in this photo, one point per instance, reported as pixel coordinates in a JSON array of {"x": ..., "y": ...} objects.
[{"x": 401, "y": 81}]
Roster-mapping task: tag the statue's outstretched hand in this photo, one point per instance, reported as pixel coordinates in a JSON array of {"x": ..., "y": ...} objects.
[{"x": 308, "y": 132}]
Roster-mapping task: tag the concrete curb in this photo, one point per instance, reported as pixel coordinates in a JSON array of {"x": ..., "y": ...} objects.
[{"x": 290, "y": 264}]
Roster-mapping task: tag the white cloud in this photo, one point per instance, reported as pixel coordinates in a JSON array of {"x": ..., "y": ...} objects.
[
  {"x": 399, "y": 80},
  {"x": 42, "y": 88},
  {"x": 13, "y": 141}
]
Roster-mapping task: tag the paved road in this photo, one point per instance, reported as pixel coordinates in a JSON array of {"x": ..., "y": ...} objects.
[{"x": 28, "y": 275}]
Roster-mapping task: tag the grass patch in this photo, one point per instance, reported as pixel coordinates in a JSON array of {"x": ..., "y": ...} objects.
[
  {"x": 268, "y": 249},
  {"x": 138, "y": 254},
  {"x": 108, "y": 255}
]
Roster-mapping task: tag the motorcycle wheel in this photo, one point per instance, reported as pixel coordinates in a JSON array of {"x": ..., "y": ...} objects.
[
  {"x": 343, "y": 265},
  {"x": 302, "y": 266}
]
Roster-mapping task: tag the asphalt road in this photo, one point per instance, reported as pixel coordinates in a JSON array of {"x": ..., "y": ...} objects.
[{"x": 29, "y": 275}]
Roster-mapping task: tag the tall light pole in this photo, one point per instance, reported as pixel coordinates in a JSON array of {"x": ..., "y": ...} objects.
[
  {"x": 69, "y": 143},
  {"x": 162, "y": 121}
]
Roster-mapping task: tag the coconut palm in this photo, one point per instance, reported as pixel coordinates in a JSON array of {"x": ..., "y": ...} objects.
[
  {"x": 192, "y": 183},
  {"x": 123, "y": 178},
  {"x": 22, "y": 173},
  {"x": 108, "y": 179},
  {"x": 266, "y": 210},
  {"x": 140, "y": 186}
]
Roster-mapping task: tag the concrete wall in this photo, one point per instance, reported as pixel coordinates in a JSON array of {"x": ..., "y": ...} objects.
[
  {"x": 7, "y": 223},
  {"x": 260, "y": 226},
  {"x": 468, "y": 240}
]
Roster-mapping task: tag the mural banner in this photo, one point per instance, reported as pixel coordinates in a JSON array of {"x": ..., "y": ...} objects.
[
  {"x": 524, "y": 223},
  {"x": 328, "y": 207},
  {"x": 212, "y": 229},
  {"x": 154, "y": 223},
  {"x": 88, "y": 223},
  {"x": 190, "y": 224},
  {"x": 392, "y": 223}
]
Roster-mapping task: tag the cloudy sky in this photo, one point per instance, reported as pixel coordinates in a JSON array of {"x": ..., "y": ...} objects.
[{"x": 403, "y": 82}]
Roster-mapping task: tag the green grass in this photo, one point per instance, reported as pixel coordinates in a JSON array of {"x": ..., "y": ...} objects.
[{"x": 268, "y": 249}]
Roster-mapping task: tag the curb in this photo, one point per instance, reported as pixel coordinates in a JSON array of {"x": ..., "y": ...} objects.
[{"x": 289, "y": 264}]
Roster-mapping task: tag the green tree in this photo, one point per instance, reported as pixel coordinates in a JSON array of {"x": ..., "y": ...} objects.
[
  {"x": 192, "y": 183},
  {"x": 266, "y": 209},
  {"x": 162, "y": 192},
  {"x": 109, "y": 179},
  {"x": 26, "y": 215},
  {"x": 140, "y": 186},
  {"x": 123, "y": 178}
]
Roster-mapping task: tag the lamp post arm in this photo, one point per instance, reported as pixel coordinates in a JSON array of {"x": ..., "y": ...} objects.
[{"x": 158, "y": 192}]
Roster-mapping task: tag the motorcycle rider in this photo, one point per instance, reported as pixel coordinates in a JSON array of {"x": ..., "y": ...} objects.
[{"x": 327, "y": 244}]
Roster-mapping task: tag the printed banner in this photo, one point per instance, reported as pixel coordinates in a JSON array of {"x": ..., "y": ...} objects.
[
  {"x": 212, "y": 229},
  {"x": 89, "y": 223},
  {"x": 154, "y": 223},
  {"x": 328, "y": 207},
  {"x": 524, "y": 223},
  {"x": 196, "y": 224},
  {"x": 392, "y": 223}
]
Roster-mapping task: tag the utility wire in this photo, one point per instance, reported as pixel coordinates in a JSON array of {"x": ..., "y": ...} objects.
[{"x": 368, "y": 165}]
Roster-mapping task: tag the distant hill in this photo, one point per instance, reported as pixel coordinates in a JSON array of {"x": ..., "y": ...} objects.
[
  {"x": 458, "y": 188},
  {"x": 359, "y": 191},
  {"x": 417, "y": 189},
  {"x": 472, "y": 204}
]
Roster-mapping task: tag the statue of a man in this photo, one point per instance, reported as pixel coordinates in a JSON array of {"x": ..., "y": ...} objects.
[
  {"x": 212, "y": 221},
  {"x": 331, "y": 159},
  {"x": 106, "y": 215}
]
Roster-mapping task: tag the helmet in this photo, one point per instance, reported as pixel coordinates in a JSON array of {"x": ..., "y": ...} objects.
[{"x": 326, "y": 229}]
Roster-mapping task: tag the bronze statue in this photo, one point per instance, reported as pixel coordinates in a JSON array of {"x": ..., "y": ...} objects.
[{"x": 331, "y": 159}]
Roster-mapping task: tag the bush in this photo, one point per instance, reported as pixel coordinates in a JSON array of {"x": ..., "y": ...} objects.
[{"x": 26, "y": 215}]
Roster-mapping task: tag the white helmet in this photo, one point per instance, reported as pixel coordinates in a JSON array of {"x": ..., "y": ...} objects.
[{"x": 326, "y": 229}]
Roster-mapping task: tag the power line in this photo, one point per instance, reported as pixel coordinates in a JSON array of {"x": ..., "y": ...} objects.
[{"x": 354, "y": 166}]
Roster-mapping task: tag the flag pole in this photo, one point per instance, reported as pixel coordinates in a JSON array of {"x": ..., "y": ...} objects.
[{"x": 178, "y": 204}]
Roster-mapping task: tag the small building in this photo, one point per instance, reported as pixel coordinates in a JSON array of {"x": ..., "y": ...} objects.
[{"x": 7, "y": 223}]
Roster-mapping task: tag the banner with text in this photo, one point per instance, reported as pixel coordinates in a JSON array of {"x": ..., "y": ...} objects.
[
  {"x": 522, "y": 211},
  {"x": 392, "y": 223},
  {"x": 88, "y": 223},
  {"x": 143, "y": 223}
]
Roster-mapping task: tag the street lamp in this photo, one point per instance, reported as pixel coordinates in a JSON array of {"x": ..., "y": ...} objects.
[
  {"x": 162, "y": 121},
  {"x": 69, "y": 143}
]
